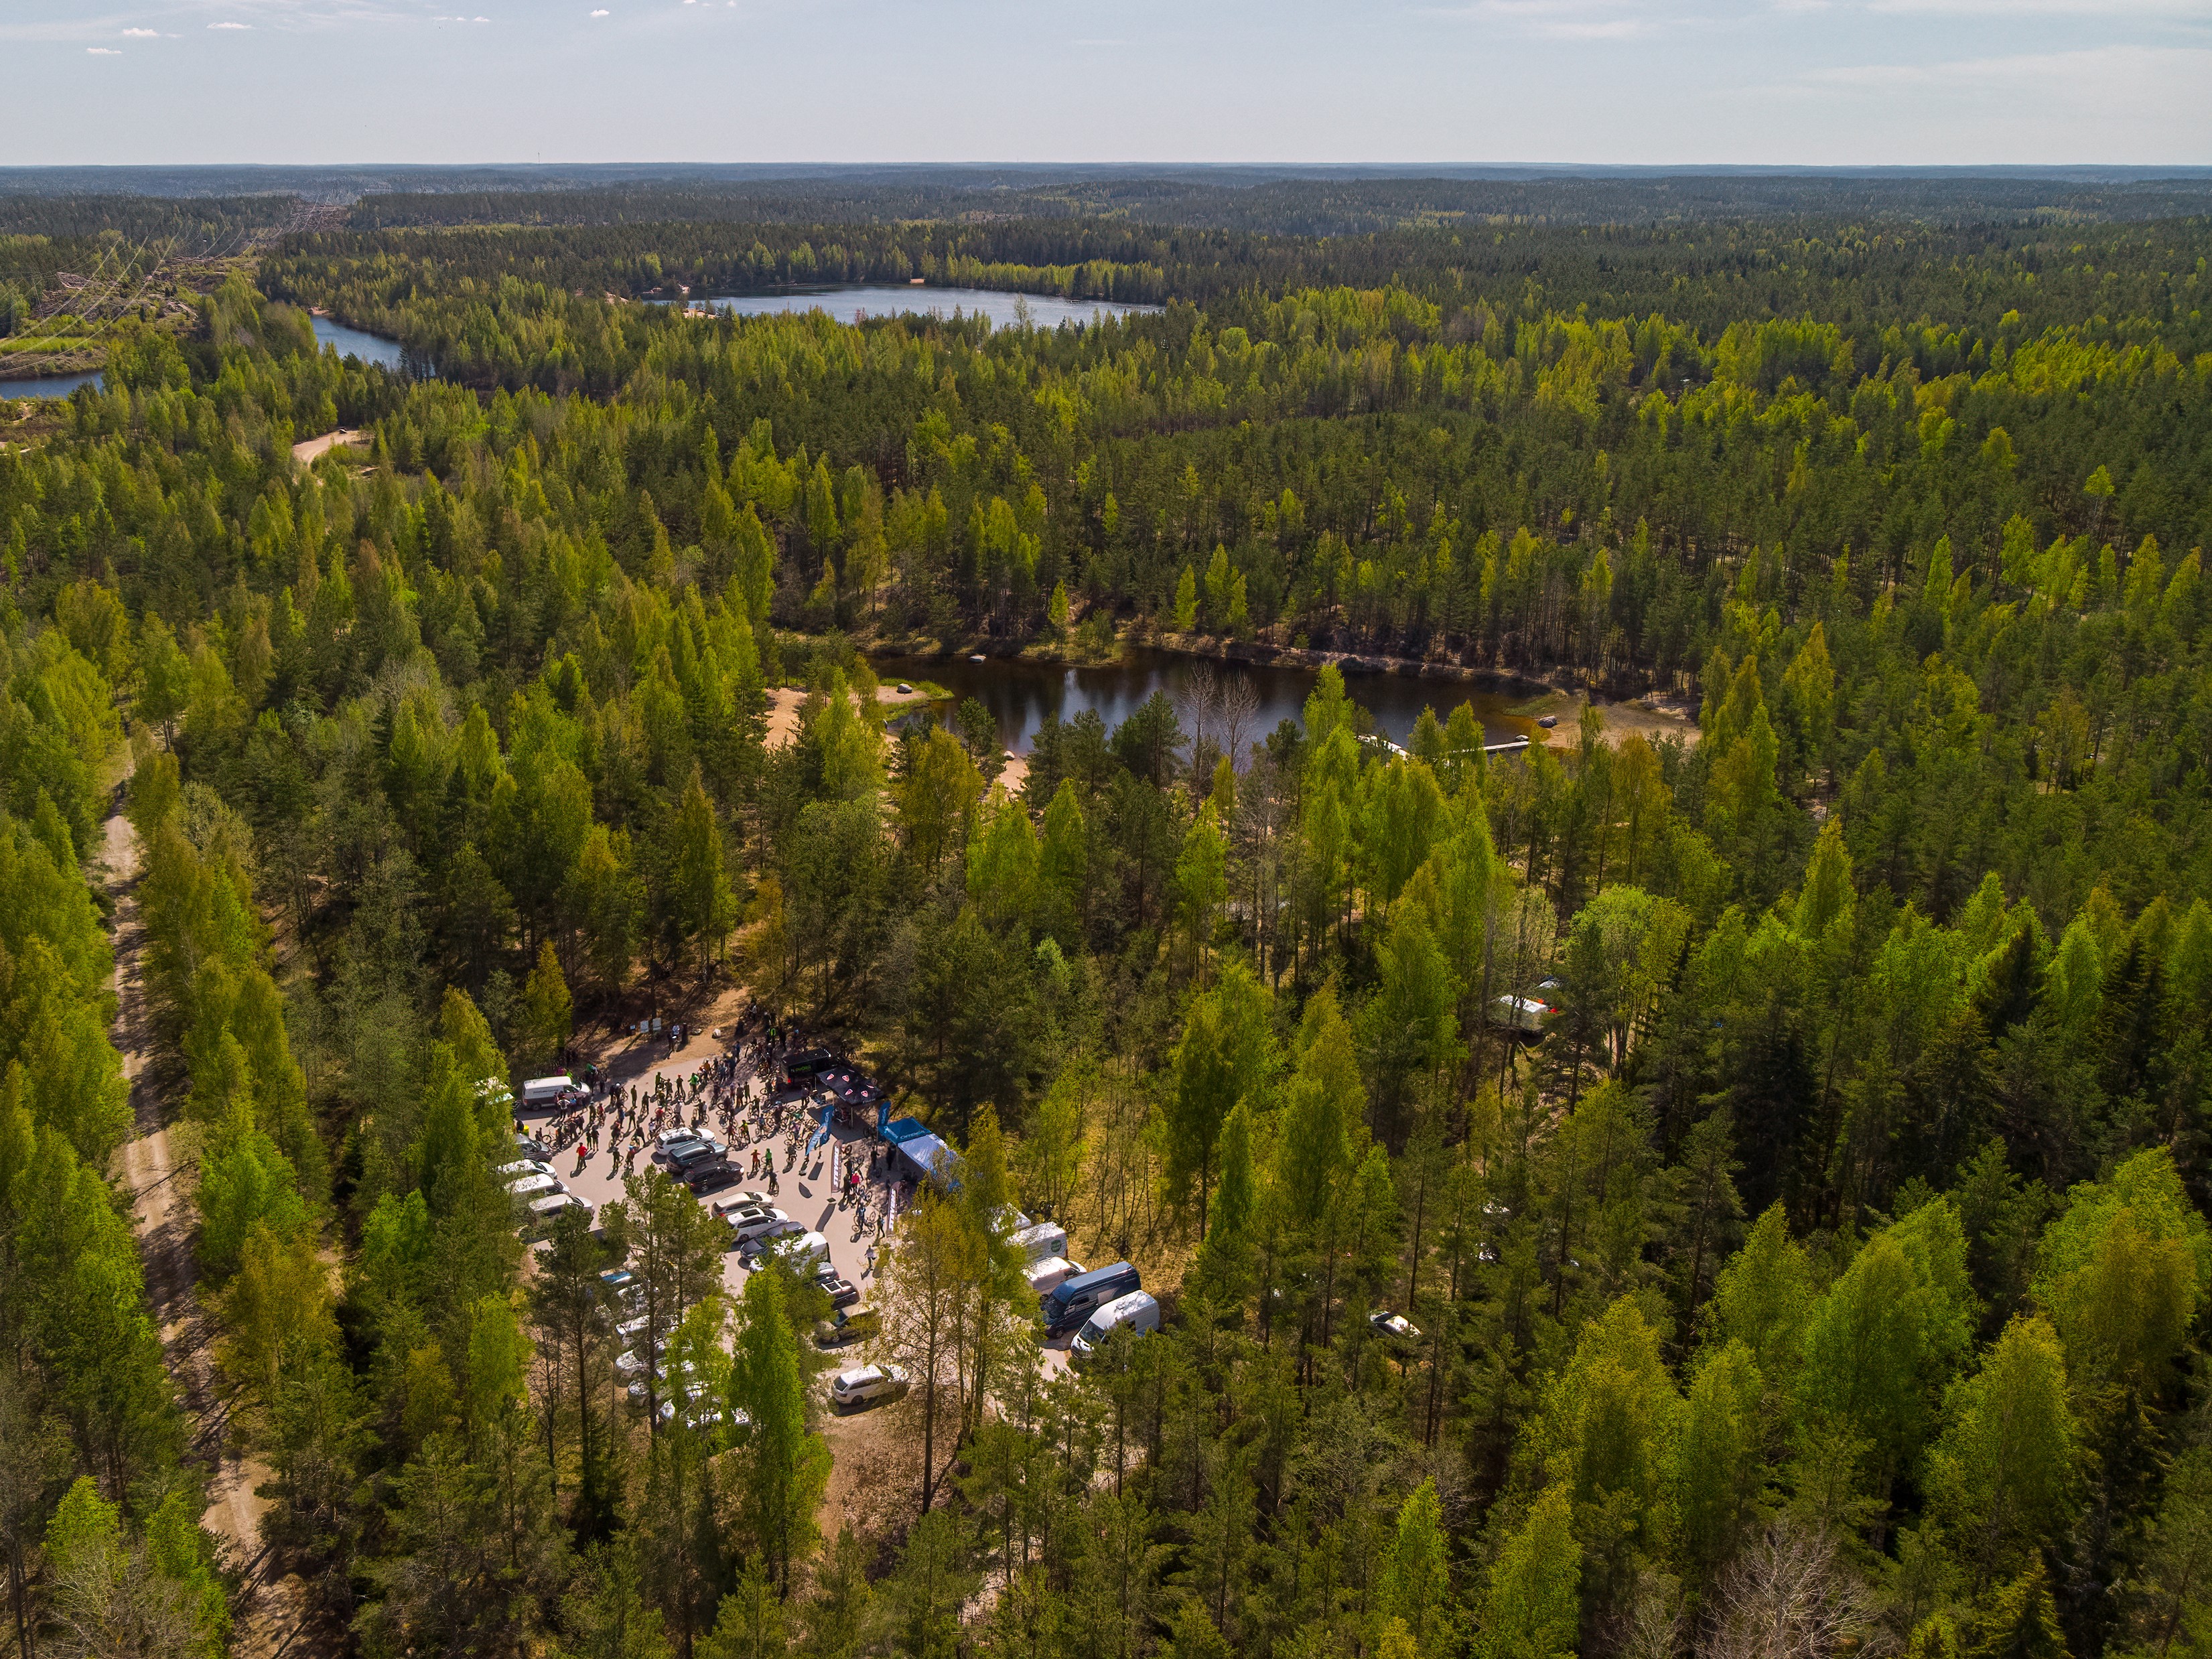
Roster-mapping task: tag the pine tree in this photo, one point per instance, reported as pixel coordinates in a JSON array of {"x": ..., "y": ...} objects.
[{"x": 784, "y": 1464}]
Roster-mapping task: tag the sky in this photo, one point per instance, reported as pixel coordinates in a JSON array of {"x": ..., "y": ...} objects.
[{"x": 1827, "y": 82}]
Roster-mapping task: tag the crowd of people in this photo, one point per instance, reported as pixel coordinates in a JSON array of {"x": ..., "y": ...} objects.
[{"x": 745, "y": 1094}]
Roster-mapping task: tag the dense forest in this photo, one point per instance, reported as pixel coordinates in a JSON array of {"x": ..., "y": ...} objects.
[{"x": 1829, "y": 1279}]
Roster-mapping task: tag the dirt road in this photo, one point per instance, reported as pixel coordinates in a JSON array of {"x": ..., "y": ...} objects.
[{"x": 158, "y": 1182}]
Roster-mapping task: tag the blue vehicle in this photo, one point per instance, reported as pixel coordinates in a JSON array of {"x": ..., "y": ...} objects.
[{"x": 1074, "y": 1300}]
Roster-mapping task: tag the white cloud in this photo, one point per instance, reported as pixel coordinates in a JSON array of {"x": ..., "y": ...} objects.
[
  {"x": 230, "y": 26},
  {"x": 1566, "y": 20},
  {"x": 2088, "y": 76},
  {"x": 2176, "y": 10},
  {"x": 103, "y": 52},
  {"x": 141, "y": 34},
  {"x": 601, "y": 12}
]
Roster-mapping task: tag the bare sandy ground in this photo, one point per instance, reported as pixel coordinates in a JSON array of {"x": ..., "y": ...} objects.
[
  {"x": 307, "y": 449},
  {"x": 784, "y": 702},
  {"x": 1651, "y": 719}
]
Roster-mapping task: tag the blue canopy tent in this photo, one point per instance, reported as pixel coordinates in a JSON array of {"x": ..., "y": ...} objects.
[{"x": 925, "y": 1157}]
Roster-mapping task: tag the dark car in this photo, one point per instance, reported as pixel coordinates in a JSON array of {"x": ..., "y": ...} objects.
[
  {"x": 683, "y": 1155},
  {"x": 841, "y": 1293},
  {"x": 710, "y": 1175}
]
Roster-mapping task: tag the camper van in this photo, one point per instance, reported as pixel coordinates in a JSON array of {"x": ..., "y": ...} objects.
[
  {"x": 1038, "y": 1241},
  {"x": 1048, "y": 1275},
  {"x": 1137, "y": 1310},
  {"x": 1074, "y": 1301}
]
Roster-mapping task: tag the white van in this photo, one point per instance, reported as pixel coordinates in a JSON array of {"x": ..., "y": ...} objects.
[
  {"x": 1139, "y": 1310},
  {"x": 1048, "y": 1275},
  {"x": 1038, "y": 1241},
  {"x": 543, "y": 1094}
]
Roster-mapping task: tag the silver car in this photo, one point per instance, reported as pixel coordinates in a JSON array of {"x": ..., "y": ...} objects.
[{"x": 866, "y": 1385}]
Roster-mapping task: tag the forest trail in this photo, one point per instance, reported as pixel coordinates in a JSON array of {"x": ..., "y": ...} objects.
[{"x": 266, "y": 1610}]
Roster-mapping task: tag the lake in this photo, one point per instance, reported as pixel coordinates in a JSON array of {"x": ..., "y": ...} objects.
[
  {"x": 1020, "y": 694},
  {"x": 347, "y": 341},
  {"x": 851, "y": 304},
  {"x": 353, "y": 343},
  {"x": 48, "y": 385}
]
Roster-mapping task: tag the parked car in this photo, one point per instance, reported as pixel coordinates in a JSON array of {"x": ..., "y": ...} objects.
[
  {"x": 534, "y": 1186},
  {"x": 544, "y": 1211},
  {"x": 531, "y": 1147},
  {"x": 1073, "y": 1302},
  {"x": 750, "y": 1221},
  {"x": 750, "y": 1248},
  {"x": 668, "y": 1138},
  {"x": 803, "y": 1249},
  {"x": 841, "y": 1293},
  {"x": 1139, "y": 1312},
  {"x": 866, "y": 1385},
  {"x": 709, "y": 1175},
  {"x": 729, "y": 1203},
  {"x": 636, "y": 1361},
  {"x": 1394, "y": 1327},
  {"x": 692, "y": 1148},
  {"x": 524, "y": 1166},
  {"x": 847, "y": 1325},
  {"x": 670, "y": 1379}
]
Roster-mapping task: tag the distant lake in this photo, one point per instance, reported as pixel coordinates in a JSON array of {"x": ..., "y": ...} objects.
[
  {"x": 851, "y": 304},
  {"x": 1020, "y": 693},
  {"x": 48, "y": 385},
  {"x": 353, "y": 343}
]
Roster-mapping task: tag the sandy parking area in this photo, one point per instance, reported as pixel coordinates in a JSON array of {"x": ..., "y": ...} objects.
[
  {"x": 305, "y": 450},
  {"x": 1649, "y": 718},
  {"x": 784, "y": 702}
]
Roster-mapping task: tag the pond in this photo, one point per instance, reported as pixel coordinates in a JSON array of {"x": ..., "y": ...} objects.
[
  {"x": 354, "y": 342},
  {"x": 47, "y": 386},
  {"x": 849, "y": 304},
  {"x": 1020, "y": 694}
]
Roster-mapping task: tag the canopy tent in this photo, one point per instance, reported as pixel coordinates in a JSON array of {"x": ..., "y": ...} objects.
[{"x": 929, "y": 1159}]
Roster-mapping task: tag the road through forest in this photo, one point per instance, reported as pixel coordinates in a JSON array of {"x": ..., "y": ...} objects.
[{"x": 158, "y": 1183}]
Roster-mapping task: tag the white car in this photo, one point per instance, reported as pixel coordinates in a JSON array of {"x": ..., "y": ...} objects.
[
  {"x": 866, "y": 1385},
  {"x": 635, "y": 1362},
  {"x": 751, "y": 1221},
  {"x": 729, "y": 1203},
  {"x": 522, "y": 1167},
  {"x": 533, "y": 1185},
  {"x": 805, "y": 1249},
  {"x": 1395, "y": 1326},
  {"x": 671, "y": 1378}
]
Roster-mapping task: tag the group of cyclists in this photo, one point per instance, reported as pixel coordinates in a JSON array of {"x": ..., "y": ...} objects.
[{"x": 732, "y": 1092}]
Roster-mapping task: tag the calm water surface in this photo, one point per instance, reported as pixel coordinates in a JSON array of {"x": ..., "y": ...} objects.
[
  {"x": 353, "y": 343},
  {"x": 851, "y": 304},
  {"x": 348, "y": 343},
  {"x": 47, "y": 386},
  {"x": 1021, "y": 693}
]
